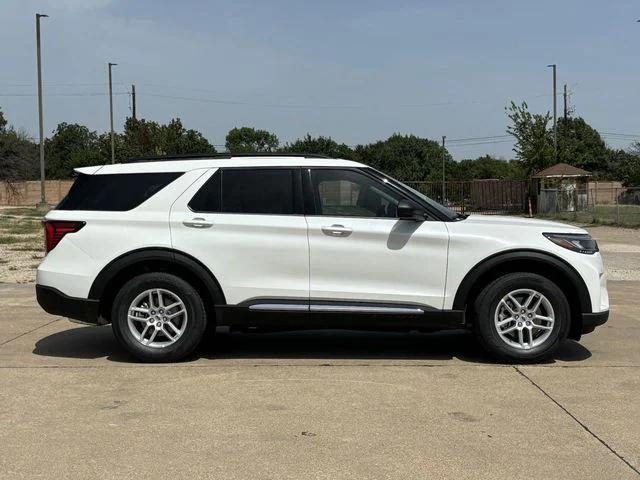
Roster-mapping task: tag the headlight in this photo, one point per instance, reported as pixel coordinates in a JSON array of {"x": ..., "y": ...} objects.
[{"x": 578, "y": 242}]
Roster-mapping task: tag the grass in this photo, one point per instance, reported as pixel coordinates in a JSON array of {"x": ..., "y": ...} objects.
[
  {"x": 621, "y": 215},
  {"x": 22, "y": 211},
  {"x": 18, "y": 229},
  {"x": 9, "y": 240},
  {"x": 22, "y": 228},
  {"x": 29, "y": 248}
]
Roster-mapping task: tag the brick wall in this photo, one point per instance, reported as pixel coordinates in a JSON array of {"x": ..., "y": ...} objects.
[
  {"x": 28, "y": 193},
  {"x": 603, "y": 193}
]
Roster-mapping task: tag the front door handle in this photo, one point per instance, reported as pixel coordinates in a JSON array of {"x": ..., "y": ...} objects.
[
  {"x": 337, "y": 231},
  {"x": 197, "y": 223}
]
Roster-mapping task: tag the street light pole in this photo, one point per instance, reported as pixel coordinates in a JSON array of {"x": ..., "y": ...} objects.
[
  {"x": 443, "y": 161},
  {"x": 113, "y": 145},
  {"x": 555, "y": 114},
  {"x": 40, "y": 112}
]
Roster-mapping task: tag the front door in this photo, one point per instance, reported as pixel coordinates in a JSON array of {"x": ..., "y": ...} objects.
[{"x": 361, "y": 252}]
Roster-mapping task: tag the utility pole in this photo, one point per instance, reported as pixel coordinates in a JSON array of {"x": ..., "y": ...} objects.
[
  {"x": 443, "y": 162},
  {"x": 113, "y": 145},
  {"x": 555, "y": 114},
  {"x": 133, "y": 101},
  {"x": 566, "y": 105},
  {"x": 43, "y": 201}
]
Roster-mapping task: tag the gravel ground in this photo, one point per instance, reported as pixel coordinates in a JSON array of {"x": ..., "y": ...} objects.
[
  {"x": 21, "y": 244},
  {"x": 620, "y": 249}
]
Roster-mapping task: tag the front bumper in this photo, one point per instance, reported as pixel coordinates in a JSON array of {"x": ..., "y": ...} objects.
[
  {"x": 592, "y": 320},
  {"x": 55, "y": 302}
]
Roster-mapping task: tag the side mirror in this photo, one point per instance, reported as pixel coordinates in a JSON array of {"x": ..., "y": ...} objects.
[{"x": 410, "y": 211}]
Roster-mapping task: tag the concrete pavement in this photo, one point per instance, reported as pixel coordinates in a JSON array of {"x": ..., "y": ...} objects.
[{"x": 315, "y": 405}]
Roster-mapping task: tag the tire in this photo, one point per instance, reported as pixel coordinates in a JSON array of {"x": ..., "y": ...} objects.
[
  {"x": 170, "y": 342},
  {"x": 547, "y": 334}
]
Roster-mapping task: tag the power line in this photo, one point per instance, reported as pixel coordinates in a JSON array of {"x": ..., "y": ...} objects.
[
  {"x": 87, "y": 94},
  {"x": 491, "y": 137},
  {"x": 479, "y": 143},
  {"x": 620, "y": 135},
  {"x": 58, "y": 84},
  {"x": 195, "y": 89},
  {"x": 255, "y": 104},
  {"x": 322, "y": 106}
]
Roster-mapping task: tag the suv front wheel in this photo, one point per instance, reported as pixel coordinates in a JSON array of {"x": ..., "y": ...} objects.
[
  {"x": 521, "y": 317},
  {"x": 158, "y": 317}
]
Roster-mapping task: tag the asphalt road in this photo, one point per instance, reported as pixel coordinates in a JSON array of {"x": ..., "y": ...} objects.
[{"x": 315, "y": 405}]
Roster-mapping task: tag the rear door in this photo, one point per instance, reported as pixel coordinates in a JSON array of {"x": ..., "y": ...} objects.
[
  {"x": 361, "y": 252},
  {"x": 247, "y": 226}
]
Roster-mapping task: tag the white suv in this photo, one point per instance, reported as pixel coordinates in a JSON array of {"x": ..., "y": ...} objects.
[{"x": 164, "y": 248}]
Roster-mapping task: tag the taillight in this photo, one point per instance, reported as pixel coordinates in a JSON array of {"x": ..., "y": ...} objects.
[{"x": 54, "y": 230}]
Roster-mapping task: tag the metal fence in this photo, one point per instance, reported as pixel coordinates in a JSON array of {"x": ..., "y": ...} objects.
[
  {"x": 489, "y": 197},
  {"x": 600, "y": 205}
]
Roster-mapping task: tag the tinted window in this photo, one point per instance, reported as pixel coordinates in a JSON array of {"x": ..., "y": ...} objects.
[
  {"x": 253, "y": 191},
  {"x": 346, "y": 193},
  {"x": 114, "y": 192},
  {"x": 207, "y": 199}
]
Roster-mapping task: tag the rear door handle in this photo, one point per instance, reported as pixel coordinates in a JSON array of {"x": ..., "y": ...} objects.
[
  {"x": 197, "y": 223},
  {"x": 337, "y": 231}
]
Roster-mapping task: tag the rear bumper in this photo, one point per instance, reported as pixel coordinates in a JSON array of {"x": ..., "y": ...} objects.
[
  {"x": 55, "y": 302},
  {"x": 592, "y": 320}
]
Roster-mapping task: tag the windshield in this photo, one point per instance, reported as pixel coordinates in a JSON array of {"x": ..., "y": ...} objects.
[{"x": 449, "y": 214}]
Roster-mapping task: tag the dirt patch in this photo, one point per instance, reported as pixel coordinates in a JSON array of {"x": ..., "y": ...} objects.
[
  {"x": 21, "y": 244},
  {"x": 620, "y": 250}
]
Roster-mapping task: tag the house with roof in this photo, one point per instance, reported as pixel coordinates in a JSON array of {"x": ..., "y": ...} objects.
[{"x": 562, "y": 188}]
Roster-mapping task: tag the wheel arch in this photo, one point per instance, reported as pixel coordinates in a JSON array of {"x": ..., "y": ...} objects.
[
  {"x": 118, "y": 271},
  {"x": 533, "y": 261}
]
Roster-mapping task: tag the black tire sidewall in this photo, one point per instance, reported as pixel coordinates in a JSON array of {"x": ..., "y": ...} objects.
[
  {"x": 487, "y": 304},
  {"x": 196, "y": 316}
]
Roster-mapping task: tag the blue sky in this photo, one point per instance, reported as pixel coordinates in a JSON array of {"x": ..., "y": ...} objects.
[{"x": 357, "y": 70}]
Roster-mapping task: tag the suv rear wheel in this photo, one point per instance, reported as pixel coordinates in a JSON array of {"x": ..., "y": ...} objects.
[
  {"x": 521, "y": 317},
  {"x": 158, "y": 317}
]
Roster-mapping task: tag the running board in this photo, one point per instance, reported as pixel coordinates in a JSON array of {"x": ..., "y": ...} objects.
[
  {"x": 296, "y": 314},
  {"x": 281, "y": 307}
]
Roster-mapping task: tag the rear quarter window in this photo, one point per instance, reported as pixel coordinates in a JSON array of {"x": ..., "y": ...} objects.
[{"x": 117, "y": 192}]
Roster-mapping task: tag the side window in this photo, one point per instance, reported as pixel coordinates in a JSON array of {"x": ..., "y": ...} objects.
[
  {"x": 251, "y": 191},
  {"x": 346, "y": 193},
  {"x": 207, "y": 199},
  {"x": 115, "y": 192}
]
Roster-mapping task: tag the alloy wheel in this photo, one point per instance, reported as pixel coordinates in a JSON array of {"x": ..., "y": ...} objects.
[
  {"x": 524, "y": 318},
  {"x": 157, "y": 318}
]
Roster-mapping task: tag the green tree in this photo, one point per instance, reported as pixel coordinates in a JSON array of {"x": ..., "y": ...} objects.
[
  {"x": 533, "y": 147},
  {"x": 625, "y": 166},
  {"x": 71, "y": 146},
  {"x": 104, "y": 148},
  {"x": 3, "y": 122},
  {"x": 406, "y": 157},
  {"x": 319, "y": 145},
  {"x": 486, "y": 166},
  {"x": 248, "y": 140},
  {"x": 581, "y": 145},
  {"x": 18, "y": 153},
  {"x": 144, "y": 137}
]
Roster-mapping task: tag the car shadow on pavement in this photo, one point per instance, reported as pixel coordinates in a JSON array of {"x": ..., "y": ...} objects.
[{"x": 330, "y": 345}]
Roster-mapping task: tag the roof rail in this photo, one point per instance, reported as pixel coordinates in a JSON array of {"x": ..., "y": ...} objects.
[{"x": 204, "y": 156}]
